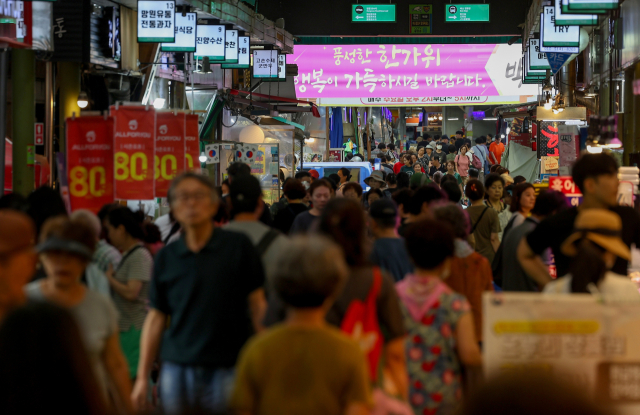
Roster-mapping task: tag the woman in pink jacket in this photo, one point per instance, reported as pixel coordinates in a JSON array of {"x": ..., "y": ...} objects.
[{"x": 462, "y": 162}]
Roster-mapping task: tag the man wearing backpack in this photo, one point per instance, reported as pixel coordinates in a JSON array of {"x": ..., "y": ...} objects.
[
  {"x": 245, "y": 198},
  {"x": 483, "y": 154}
]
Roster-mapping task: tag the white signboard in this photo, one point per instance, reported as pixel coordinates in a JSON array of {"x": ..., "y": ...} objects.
[
  {"x": 537, "y": 59},
  {"x": 282, "y": 67},
  {"x": 593, "y": 4},
  {"x": 571, "y": 19},
  {"x": 244, "y": 54},
  {"x": 185, "y": 32},
  {"x": 265, "y": 63},
  {"x": 210, "y": 42},
  {"x": 529, "y": 72},
  {"x": 552, "y": 35},
  {"x": 231, "y": 46},
  {"x": 576, "y": 337},
  {"x": 156, "y": 21}
]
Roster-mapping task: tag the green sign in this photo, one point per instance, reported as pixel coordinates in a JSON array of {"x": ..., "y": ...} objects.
[
  {"x": 420, "y": 19},
  {"x": 368, "y": 13},
  {"x": 466, "y": 13}
]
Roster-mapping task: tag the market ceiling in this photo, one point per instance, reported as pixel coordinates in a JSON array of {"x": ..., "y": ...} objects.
[{"x": 333, "y": 18}]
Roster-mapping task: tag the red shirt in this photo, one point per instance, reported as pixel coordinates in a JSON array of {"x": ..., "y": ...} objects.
[{"x": 397, "y": 167}]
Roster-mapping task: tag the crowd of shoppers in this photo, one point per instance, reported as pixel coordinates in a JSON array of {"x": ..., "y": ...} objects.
[{"x": 331, "y": 302}]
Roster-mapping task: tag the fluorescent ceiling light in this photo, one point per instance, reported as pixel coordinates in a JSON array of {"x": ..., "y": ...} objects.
[
  {"x": 488, "y": 119},
  {"x": 452, "y": 119}
]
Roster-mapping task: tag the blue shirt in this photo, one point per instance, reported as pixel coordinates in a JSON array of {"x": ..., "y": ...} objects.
[{"x": 391, "y": 255}]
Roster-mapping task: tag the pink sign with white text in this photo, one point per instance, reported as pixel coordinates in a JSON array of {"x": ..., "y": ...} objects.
[{"x": 375, "y": 72}]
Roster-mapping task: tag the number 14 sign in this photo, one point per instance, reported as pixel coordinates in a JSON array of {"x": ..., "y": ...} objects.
[{"x": 566, "y": 185}]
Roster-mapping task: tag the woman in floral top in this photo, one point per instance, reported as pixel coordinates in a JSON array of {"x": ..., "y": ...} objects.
[{"x": 438, "y": 320}]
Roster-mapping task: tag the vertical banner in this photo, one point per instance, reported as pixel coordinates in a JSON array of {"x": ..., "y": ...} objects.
[
  {"x": 192, "y": 138},
  {"x": 170, "y": 149},
  {"x": 90, "y": 162},
  {"x": 134, "y": 147}
]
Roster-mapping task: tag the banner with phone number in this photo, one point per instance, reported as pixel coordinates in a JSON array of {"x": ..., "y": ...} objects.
[
  {"x": 134, "y": 146},
  {"x": 193, "y": 143},
  {"x": 170, "y": 149},
  {"x": 90, "y": 162}
]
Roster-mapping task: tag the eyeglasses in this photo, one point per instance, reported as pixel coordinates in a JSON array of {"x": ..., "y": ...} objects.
[{"x": 197, "y": 196}]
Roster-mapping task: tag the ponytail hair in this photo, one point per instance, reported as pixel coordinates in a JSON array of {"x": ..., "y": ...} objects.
[
  {"x": 133, "y": 222},
  {"x": 587, "y": 266}
]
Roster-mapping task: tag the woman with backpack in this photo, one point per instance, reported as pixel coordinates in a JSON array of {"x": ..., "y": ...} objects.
[
  {"x": 368, "y": 308},
  {"x": 463, "y": 162},
  {"x": 130, "y": 281}
]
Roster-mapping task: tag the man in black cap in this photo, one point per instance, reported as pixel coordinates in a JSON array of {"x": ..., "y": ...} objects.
[
  {"x": 389, "y": 251},
  {"x": 17, "y": 258}
]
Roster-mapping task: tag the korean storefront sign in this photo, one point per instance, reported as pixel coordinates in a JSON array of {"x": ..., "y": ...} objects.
[
  {"x": 572, "y": 19},
  {"x": 265, "y": 64},
  {"x": 420, "y": 19},
  {"x": 410, "y": 74},
  {"x": 156, "y": 21},
  {"x": 244, "y": 54},
  {"x": 185, "y": 32},
  {"x": 577, "y": 337},
  {"x": 567, "y": 147},
  {"x": 560, "y": 39},
  {"x": 90, "y": 162},
  {"x": 566, "y": 185},
  {"x": 231, "y": 46},
  {"x": 134, "y": 146},
  {"x": 210, "y": 42},
  {"x": 537, "y": 59},
  {"x": 170, "y": 149},
  {"x": 548, "y": 143},
  {"x": 192, "y": 143},
  {"x": 363, "y": 13},
  {"x": 466, "y": 12}
]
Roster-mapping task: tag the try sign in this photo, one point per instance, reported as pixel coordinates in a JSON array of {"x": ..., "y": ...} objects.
[
  {"x": 566, "y": 185},
  {"x": 39, "y": 133}
]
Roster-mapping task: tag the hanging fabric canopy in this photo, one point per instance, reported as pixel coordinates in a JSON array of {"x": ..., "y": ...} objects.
[{"x": 336, "y": 136}]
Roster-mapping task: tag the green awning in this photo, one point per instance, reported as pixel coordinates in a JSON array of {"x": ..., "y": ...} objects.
[{"x": 326, "y": 40}]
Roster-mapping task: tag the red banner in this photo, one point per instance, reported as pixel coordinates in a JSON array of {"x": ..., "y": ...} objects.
[
  {"x": 90, "y": 162},
  {"x": 134, "y": 147},
  {"x": 170, "y": 149},
  {"x": 193, "y": 143}
]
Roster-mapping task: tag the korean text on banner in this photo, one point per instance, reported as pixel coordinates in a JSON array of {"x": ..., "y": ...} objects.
[
  {"x": 192, "y": 151},
  {"x": 134, "y": 147},
  {"x": 90, "y": 169},
  {"x": 170, "y": 149}
]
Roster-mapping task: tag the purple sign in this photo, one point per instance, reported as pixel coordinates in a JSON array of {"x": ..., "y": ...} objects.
[
  {"x": 408, "y": 70},
  {"x": 478, "y": 115}
]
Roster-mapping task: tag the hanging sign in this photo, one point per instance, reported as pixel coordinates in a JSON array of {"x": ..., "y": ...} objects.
[
  {"x": 566, "y": 185},
  {"x": 566, "y": 10},
  {"x": 556, "y": 60},
  {"x": 170, "y": 149},
  {"x": 156, "y": 21},
  {"x": 265, "y": 63},
  {"x": 553, "y": 35},
  {"x": 185, "y": 32},
  {"x": 192, "y": 150},
  {"x": 363, "y": 13},
  {"x": 537, "y": 59},
  {"x": 282, "y": 67},
  {"x": 588, "y": 5},
  {"x": 571, "y": 19},
  {"x": 420, "y": 19},
  {"x": 134, "y": 146},
  {"x": 466, "y": 12},
  {"x": 213, "y": 153},
  {"x": 210, "y": 42},
  {"x": 231, "y": 46},
  {"x": 567, "y": 147},
  {"x": 90, "y": 170},
  {"x": 244, "y": 55}
]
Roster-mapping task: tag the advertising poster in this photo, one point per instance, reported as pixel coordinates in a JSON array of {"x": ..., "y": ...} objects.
[
  {"x": 336, "y": 154},
  {"x": 170, "y": 149},
  {"x": 192, "y": 139},
  {"x": 134, "y": 147},
  {"x": 405, "y": 74},
  {"x": 567, "y": 147},
  {"x": 580, "y": 338},
  {"x": 90, "y": 162}
]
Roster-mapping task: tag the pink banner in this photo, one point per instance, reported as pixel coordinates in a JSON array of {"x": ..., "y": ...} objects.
[{"x": 376, "y": 72}]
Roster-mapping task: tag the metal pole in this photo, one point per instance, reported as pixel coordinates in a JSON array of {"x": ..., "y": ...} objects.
[
  {"x": 3, "y": 111},
  {"x": 49, "y": 120}
]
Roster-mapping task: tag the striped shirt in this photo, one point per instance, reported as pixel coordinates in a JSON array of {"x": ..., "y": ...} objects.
[
  {"x": 106, "y": 254},
  {"x": 137, "y": 264}
]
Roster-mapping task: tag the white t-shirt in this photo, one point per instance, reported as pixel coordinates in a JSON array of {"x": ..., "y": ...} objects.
[{"x": 613, "y": 286}]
